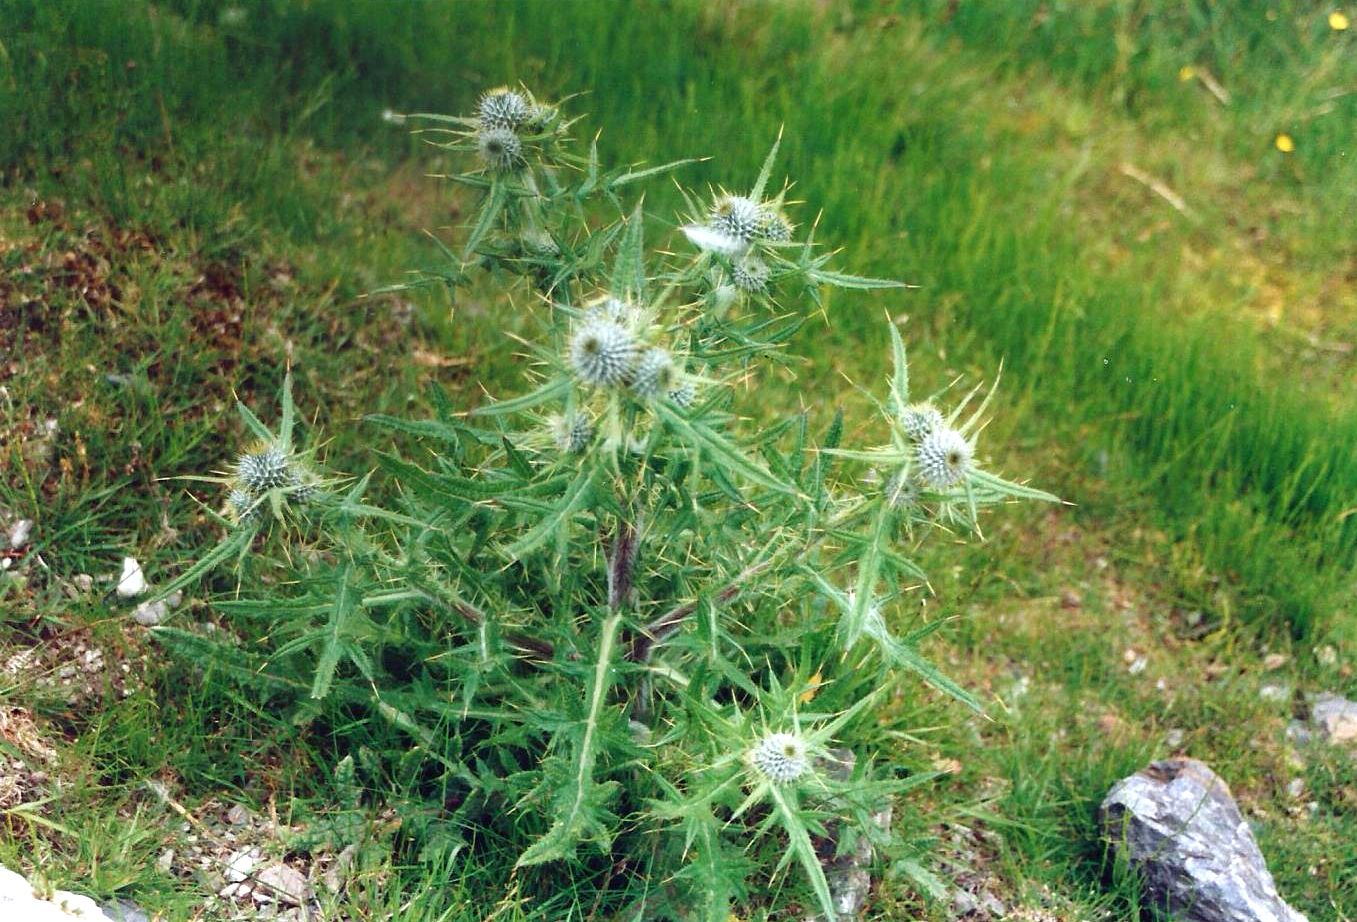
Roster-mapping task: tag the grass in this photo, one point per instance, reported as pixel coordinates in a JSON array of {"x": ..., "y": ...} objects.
[{"x": 217, "y": 195}]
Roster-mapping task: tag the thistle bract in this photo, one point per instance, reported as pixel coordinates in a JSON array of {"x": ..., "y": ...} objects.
[
  {"x": 781, "y": 758},
  {"x": 602, "y": 353},
  {"x": 504, "y": 109},
  {"x": 500, "y": 149},
  {"x": 944, "y": 458}
]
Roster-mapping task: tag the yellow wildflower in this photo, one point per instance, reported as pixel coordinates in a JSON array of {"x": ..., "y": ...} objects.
[
  {"x": 1338, "y": 21},
  {"x": 1187, "y": 72},
  {"x": 1284, "y": 143},
  {"x": 812, "y": 687}
]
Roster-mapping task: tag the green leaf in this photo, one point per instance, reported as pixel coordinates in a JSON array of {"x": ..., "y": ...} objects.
[
  {"x": 235, "y": 542},
  {"x": 334, "y": 635},
  {"x": 900, "y": 376},
  {"x": 908, "y": 658},
  {"x": 722, "y": 450},
  {"x": 799, "y": 840},
  {"x": 761, "y": 183},
  {"x": 490, "y": 209},
  {"x": 638, "y": 175},
  {"x": 994, "y": 484},
  {"x": 844, "y": 280},
  {"x": 864, "y": 596},
  {"x": 628, "y": 278},
  {"x": 556, "y": 387},
  {"x": 576, "y": 813},
  {"x": 252, "y": 422},
  {"x": 289, "y": 416},
  {"x": 576, "y": 495},
  {"x": 425, "y": 428}
]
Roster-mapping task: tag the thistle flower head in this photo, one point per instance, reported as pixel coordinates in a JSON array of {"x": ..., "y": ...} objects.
[
  {"x": 737, "y": 217},
  {"x": 919, "y": 419},
  {"x": 685, "y": 395},
  {"x": 500, "y": 148},
  {"x": 776, "y": 227},
  {"x": 656, "y": 374},
  {"x": 572, "y": 433},
  {"x": 503, "y": 108},
  {"x": 944, "y": 458},
  {"x": 602, "y": 353},
  {"x": 263, "y": 470},
  {"x": 751, "y": 275},
  {"x": 781, "y": 758}
]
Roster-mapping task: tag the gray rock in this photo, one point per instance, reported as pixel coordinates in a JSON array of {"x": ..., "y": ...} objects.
[
  {"x": 283, "y": 883},
  {"x": 1176, "y": 823},
  {"x": 849, "y": 880},
  {"x": 125, "y": 911},
  {"x": 1335, "y": 718}
]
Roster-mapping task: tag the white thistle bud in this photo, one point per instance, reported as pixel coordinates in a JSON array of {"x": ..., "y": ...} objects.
[
  {"x": 572, "y": 433},
  {"x": 685, "y": 395},
  {"x": 919, "y": 419},
  {"x": 737, "y": 217},
  {"x": 751, "y": 275},
  {"x": 542, "y": 118},
  {"x": 613, "y": 309},
  {"x": 776, "y": 227},
  {"x": 602, "y": 353},
  {"x": 944, "y": 458},
  {"x": 242, "y": 505},
  {"x": 500, "y": 149},
  {"x": 781, "y": 758},
  {"x": 300, "y": 488},
  {"x": 656, "y": 374},
  {"x": 539, "y": 243},
  {"x": 503, "y": 108},
  {"x": 902, "y": 491},
  {"x": 263, "y": 470}
]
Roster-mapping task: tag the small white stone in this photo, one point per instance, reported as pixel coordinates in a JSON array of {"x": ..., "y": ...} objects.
[
  {"x": 83, "y": 581},
  {"x": 1274, "y": 691},
  {"x": 132, "y": 582},
  {"x": 19, "y": 533},
  {"x": 165, "y": 863},
  {"x": 241, "y": 864}
]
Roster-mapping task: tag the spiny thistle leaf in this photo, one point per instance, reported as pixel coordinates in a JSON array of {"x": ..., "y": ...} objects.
[{"x": 581, "y": 803}]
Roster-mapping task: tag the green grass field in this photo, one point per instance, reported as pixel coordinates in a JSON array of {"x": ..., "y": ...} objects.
[{"x": 198, "y": 194}]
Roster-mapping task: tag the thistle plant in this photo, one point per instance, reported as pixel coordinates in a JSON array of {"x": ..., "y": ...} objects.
[{"x": 600, "y": 620}]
